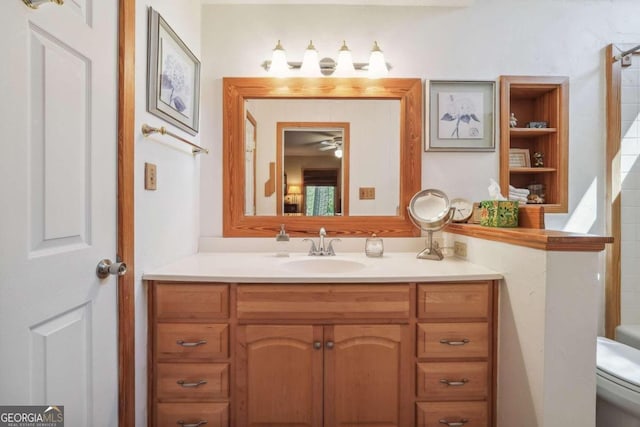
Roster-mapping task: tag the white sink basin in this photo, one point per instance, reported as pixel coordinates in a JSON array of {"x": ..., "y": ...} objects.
[{"x": 323, "y": 265}]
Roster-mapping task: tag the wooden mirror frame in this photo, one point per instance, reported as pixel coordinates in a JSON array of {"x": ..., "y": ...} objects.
[{"x": 236, "y": 90}]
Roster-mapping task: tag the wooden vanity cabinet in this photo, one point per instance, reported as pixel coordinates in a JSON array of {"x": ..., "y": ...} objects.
[
  {"x": 312, "y": 375},
  {"x": 189, "y": 367},
  {"x": 332, "y": 358},
  {"x": 456, "y": 354},
  {"x": 322, "y": 355}
]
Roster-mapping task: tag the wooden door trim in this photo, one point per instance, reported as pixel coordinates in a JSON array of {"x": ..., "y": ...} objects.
[
  {"x": 125, "y": 212},
  {"x": 280, "y": 128},
  {"x": 613, "y": 187}
]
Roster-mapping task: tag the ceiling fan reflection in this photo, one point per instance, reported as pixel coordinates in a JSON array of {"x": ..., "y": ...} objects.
[{"x": 331, "y": 144}]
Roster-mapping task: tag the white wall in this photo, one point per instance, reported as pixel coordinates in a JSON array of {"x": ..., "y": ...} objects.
[
  {"x": 371, "y": 124},
  {"x": 490, "y": 38},
  {"x": 166, "y": 220}
]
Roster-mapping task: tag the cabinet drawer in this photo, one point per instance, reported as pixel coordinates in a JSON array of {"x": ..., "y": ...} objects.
[
  {"x": 192, "y": 381},
  {"x": 454, "y": 301},
  {"x": 451, "y": 340},
  {"x": 323, "y": 301},
  {"x": 439, "y": 414},
  {"x": 176, "y": 414},
  {"x": 197, "y": 341},
  {"x": 177, "y": 301},
  {"x": 452, "y": 380}
]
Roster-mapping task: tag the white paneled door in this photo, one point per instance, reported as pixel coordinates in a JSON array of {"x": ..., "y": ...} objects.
[{"x": 58, "y": 105}]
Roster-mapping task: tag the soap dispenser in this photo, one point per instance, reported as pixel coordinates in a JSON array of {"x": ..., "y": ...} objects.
[{"x": 282, "y": 243}]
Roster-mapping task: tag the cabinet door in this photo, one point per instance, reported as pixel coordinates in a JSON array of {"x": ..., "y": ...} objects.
[
  {"x": 367, "y": 376},
  {"x": 279, "y": 376}
]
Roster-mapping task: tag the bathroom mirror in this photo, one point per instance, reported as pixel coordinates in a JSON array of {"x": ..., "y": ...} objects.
[
  {"x": 241, "y": 217},
  {"x": 312, "y": 169},
  {"x": 309, "y": 146}
]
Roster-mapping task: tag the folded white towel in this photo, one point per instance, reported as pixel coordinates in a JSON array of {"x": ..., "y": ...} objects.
[
  {"x": 519, "y": 191},
  {"x": 520, "y": 199}
]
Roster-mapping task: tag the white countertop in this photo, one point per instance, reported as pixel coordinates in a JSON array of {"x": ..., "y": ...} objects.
[{"x": 252, "y": 267}]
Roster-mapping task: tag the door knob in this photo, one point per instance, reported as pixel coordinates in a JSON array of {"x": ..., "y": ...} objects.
[
  {"x": 34, "y": 4},
  {"x": 330, "y": 344},
  {"x": 317, "y": 345},
  {"x": 106, "y": 267}
]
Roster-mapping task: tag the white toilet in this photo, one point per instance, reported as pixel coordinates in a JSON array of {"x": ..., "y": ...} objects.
[
  {"x": 629, "y": 335},
  {"x": 618, "y": 384}
]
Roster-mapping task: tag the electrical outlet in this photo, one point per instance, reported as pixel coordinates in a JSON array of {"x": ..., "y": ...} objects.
[
  {"x": 460, "y": 249},
  {"x": 150, "y": 176},
  {"x": 367, "y": 193}
]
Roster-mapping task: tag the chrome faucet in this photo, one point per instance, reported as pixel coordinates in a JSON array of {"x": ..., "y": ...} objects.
[{"x": 320, "y": 250}]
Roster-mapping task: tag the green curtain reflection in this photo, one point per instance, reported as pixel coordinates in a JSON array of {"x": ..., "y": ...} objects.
[{"x": 320, "y": 200}]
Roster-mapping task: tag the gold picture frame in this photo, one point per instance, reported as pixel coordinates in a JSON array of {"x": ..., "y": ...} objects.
[{"x": 519, "y": 158}]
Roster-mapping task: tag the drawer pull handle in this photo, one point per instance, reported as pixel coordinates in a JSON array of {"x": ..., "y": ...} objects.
[
  {"x": 191, "y": 344},
  {"x": 448, "y": 342},
  {"x": 454, "y": 423},
  {"x": 454, "y": 383},
  {"x": 198, "y": 424},
  {"x": 191, "y": 385}
]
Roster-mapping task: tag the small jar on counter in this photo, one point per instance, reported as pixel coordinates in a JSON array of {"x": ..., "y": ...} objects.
[{"x": 373, "y": 246}]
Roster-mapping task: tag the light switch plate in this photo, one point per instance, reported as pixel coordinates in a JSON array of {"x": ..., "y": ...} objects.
[
  {"x": 367, "y": 193},
  {"x": 150, "y": 176}
]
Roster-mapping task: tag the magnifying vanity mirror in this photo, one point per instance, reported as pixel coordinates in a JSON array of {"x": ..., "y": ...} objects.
[
  {"x": 431, "y": 211},
  {"x": 343, "y": 154}
]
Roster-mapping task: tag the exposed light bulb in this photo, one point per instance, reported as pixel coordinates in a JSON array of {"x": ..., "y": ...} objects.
[
  {"x": 310, "y": 62},
  {"x": 279, "y": 66},
  {"x": 377, "y": 64},
  {"x": 338, "y": 153},
  {"x": 344, "y": 68}
]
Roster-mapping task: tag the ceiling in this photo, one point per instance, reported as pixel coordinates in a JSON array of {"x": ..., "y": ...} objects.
[
  {"x": 310, "y": 142},
  {"x": 441, "y": 3}
]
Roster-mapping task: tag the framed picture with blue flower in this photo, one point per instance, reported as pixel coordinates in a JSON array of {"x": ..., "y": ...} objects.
[
  {"x": 173, "y": 81},
  {"x": 460, "y": 115}
]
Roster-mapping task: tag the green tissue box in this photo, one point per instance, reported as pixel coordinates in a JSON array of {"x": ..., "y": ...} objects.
[{"x": 498, "y": 213}]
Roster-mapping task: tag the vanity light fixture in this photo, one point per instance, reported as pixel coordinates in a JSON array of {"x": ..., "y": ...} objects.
[
  {"x": 310, "y": 63},
  {"x": 312, "y": 67},
  {"x": 279, "y": 66},
  {"x": 344, "y": 67},
  {"x": 377, "y": 65}
]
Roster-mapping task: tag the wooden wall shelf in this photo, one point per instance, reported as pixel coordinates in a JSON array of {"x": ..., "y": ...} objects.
[
  {"x": 546, "y": 240},
  {"x": 530, "y": 133},
  {"x": 536, "y": 99},
  {"x": 531, "y": 170}
]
